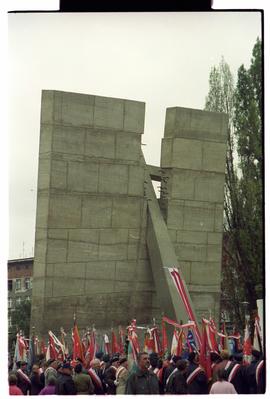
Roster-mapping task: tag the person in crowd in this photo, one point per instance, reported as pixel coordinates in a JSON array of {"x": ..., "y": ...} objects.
[
  {"x": 121, "y": 376},
  {"x": 235, "y": 372},
  {"x": 64, "y": 382},
  {"x": 254, "y": 374},
  {"x": 177, "y": 383},
  {"x": 143, "y": 381},
  {"x": 153, "y": 359},
  {"x": 222, "y": 386},
  {"x": 13, "y": 389},
  {"x": 79, "y": 361},
  {"x": 224, "y": 363},
  {"x": 94, "y": 373},
  {"x": 23, "y": 381},
  {"x": 51, "y": 369},
  {"x": 197, "y": 383},
  {"x": 36, "y": 383},
  {"x": 83, "y": 382},
  {"x": 170, "y": 370},
  {"x": 50, "y": 388},
  {"x": 110, "y": 375}
]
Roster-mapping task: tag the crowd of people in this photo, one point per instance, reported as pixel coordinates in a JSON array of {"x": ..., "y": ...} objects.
[{"x": 151, "y": 374}]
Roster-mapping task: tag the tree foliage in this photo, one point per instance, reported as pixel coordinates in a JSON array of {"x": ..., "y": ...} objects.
[
  {"x": 20, "y": 320},
  {"x": 242, "y": 270}
]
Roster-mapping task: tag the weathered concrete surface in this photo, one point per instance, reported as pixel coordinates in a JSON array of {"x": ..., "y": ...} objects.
[
  {"x": 93, "y": 234},
  {"x": 192, "y": 193},
  {"x": 162, "y": 257},
  {"x": 90, "y": 250}
]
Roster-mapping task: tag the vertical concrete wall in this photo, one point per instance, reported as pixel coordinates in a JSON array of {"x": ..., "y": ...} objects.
[
  {"x": 192, "y": 193},
  {"x": 90, "y": 249}
]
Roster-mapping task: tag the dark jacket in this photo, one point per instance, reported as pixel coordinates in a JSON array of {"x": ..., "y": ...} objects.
[
  {"x": 65, "y": 385},
  {"x": 142, "y": 383},
  {"x": 109, "y": 378},
  {"x": 83, "y": 383},
  {"x": 249, "y": 373},
  {"x": 24, "y": 385},
  {"x": 36, "y": 384},
  {"x": 199, "y": 384},
  {"x": 238, "y": 378},
  {"x": 177, "y": 384},
  {"x": 166, "y": 373}
]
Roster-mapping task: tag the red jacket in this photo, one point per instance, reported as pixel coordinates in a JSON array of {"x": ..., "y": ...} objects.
[{"x": 14, "y": 390}]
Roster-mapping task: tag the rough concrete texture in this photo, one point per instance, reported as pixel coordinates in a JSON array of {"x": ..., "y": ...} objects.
[
  {"x": 192, "y": 192},
  {"x": 90, "y": 250},
  {"x": 100, "y": 244}
]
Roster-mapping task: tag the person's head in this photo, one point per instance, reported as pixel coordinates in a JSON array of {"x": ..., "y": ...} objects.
[
  {"x": 193, "y": 358},
  {"x": 12, "y": 379},
  {"x": 222, "y": 375},
  {"x": 79, "y": 360},
  {"x": 51, "y": 380},
  {"x": 106, "y": 358},
  {"x": 35, "y": 369},
  {"x": 224, "y": 354},
  {"x": 256, "y": 355},
  {"x": 78, "y": 368},
  {"x": 23, "y": 366},
  {"x": 95, "y": 364},
  {"x": 143, "y": 360},
  {"x": 215, "y": 357},
  {"x": 115, "y": 361},
  {"x": 160, "y": 364},
  {"x": 181, "y": 365},
  {"x": 175, "y": 359},
  {"x": 123, "y": 362},
  {"x": 99, "y": 355},
  {"x": 66, "y": 368},
  {"x": 54, "y": 364},
  {"x": 153, "y": 358}
]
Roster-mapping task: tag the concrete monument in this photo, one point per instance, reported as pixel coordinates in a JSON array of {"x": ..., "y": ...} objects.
[{"x": 103, "y": 241}]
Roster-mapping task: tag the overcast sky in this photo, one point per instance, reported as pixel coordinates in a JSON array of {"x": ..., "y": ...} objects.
[{"x": 163, "y": 59}]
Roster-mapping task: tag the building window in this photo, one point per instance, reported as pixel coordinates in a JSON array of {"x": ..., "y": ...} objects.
[
  {"x": 9, "y": 322},
  {"x": 18, "y": 301},
  {"x": 27, "y": 283},
  {"x": 10, "y": 285},
  {"x": 18, "y": 284},
  {"x": 9, "y": 303},
  {"x": 28, "y": 298}
]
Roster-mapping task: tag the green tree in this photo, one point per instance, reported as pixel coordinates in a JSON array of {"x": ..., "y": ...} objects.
[
  {"x": 20, "y": 320},
  {"x": 242, "y": 244}
]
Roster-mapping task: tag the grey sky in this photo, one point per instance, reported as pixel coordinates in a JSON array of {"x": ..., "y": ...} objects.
[{"x": 163, "y": 59}]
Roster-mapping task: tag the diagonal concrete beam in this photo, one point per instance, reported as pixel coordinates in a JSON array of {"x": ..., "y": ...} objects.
[{"x": 162, "y": 257}]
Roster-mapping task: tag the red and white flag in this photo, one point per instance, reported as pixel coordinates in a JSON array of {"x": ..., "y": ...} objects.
[
  {"x": 247, "y": 347},
  {"x": 178, "y": 282},
  {"x": 77, "y": 344}
]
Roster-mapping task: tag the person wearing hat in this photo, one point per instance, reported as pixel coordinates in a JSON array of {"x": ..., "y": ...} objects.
[
  {"x": 254, "y": 374},
  {"x": 110, "y": 375},
  {"x": 121, "y": 376},
  {"x": 64, "y": 383},
  {"x": 94, "y": 373},
  {"x": 177, "y": 384},
  {"x": 51, "y": 370},
  {"x": 143, "y": 381},
  {"x": 82, "y": 381},
  {"x": 169, "y": 371},
  {"x": 23, "y": 381},
  {"x": 36, "y": 383},
  {"x": 197, "y": 383},
  {"x": 223, "y": 364}
]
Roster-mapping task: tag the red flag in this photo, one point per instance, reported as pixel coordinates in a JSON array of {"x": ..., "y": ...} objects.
[
  {"x": 156, "y": 341},
  {"x": 43, "y": 347},
  {"x": 115, "y": 346},
  {"x": 164, "y": 338},
  {"x": 77, "y": 345},
  {"x": 205, "y": 360},
  {"x": 52, "y": 350},
  {"x": 247, "y": 347}
]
